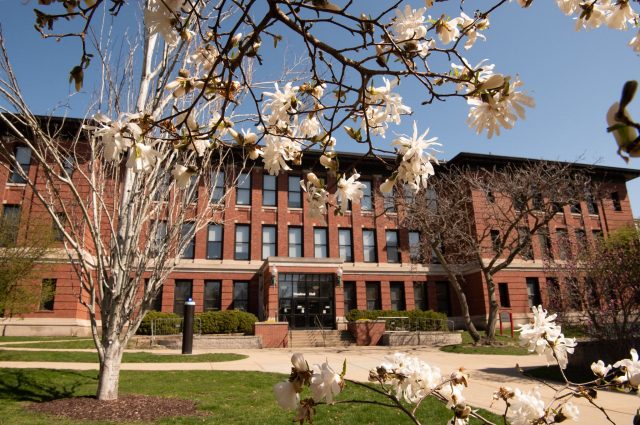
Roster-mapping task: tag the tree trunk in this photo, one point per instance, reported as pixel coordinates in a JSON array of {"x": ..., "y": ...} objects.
[
  {"x": 464, "y": 306},
  {"x": 492, "y": 320},
  {"x": 109, "y": 377}
]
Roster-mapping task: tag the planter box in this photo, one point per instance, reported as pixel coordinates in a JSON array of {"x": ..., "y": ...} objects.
[
  {"x": 367, "y": 332},
  {"x": 434, "y": 339},
  {"x": 272, "y": 334}
]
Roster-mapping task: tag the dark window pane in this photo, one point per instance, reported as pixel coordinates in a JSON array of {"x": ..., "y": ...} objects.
[
  {"x": 369, "y": 246},
  {"x": 269, "y": 242},
  {"x": 393, "y": 253},
  {"x": 344, "y": 244},
  {"x": 212, "y": 297},
  {"x": 241, "y": 296},
  {"x": 243, "y": 190},
  {"x": 414, "y": 246},
  {"x": 23, "y": 157},
  {"x": 503, "y": 289},
  {"x": 443, "y": 298},
  {"x": 420, "y": 295},
  {"x": 295, "y": 192},
  {"x": 217, "y": 192},
  {"x": 243, "y": 242},
  {"x": 373, "y": 296},
  {"x": 214, "y": 241},
  {"x": 269, "y": 192},
  {"x": 181, "y": 293},
  {"x": 397, "y": 296},
  {"x": 350, "y": 301},
  {"x": 615, "y": 199},
  {"x": 188, "y": 240},
  {"x": 533, "y": 292},
  {"x": 47, "y": 294}
]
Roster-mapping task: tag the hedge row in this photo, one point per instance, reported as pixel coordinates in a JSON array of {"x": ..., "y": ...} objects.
[
  {"x": 211, "y": 322},
  {"x": 418, "y": 319}
]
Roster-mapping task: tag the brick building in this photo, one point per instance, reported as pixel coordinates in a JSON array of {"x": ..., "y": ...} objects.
[{"x": 268, "y": 257}]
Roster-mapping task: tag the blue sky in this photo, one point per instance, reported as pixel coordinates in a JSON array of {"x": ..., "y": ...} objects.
[{"x": 573, "y": 76}]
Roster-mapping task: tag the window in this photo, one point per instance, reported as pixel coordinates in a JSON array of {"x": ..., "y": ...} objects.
[
  {"x": 58, "y": 233},
  {"x": 397, "y": 296},
  {"x": 389, "y": 201},
  {"x": 68, "y": 165},
  {"x": 350, "y": 301},
  {"x": 524, "y": 240},
  {"x": 181, "y": 293},
  {"x": 491, "y": 198},
  {"x": 432, "y": 200},
  {"x": 212, "y": 295},
  {"x": 557, "y": 207},
  {"x": 188, "y": 240},
  {"x": 553, "y": 294},
  {"x": 545, "y": 243},
  {"x": 269, "y": 242},
  {"x": 47, "y": 294},
  {"x": 576, "y": 208},
  {"x": 242, "y": 245},
  {"x": 23, "y": 156},
  {"x": 243, "y": 190},
  {"x": 295, "y": 192},
  {"x": 344, "y": 244},
  {"x": 537, "y": 201},
  {"x": 519, "y": 201},
  {"x": 11, "y": 224},
  {"x": 597, "y": 235},
  {"x": 156, "y": 302},
  {"x": 215, "y": 234},
  {"x": 574, "y": 293},
  {"x": 581, "y": 240},
  {"x": 393, "y": 254},
  {"x": 159, "y": 237},
  {"x": 320, "y": 242},
  {"x": 615, "y": 198},
  {"x": 496, "y": 244},
  {"x": 295, "y": 242},
  {"x": 409, "y": 195},
  {"x": 366, "y": 202},
  {"x": 192, "y": 191},
  {"x": 162, "y": 190},
  {"x": 443, "y": 297},
  {"x": 564, "y": 248},
  {"x": 241, "y": 296},
  {"x": 533, "y": 292},
  {"x": 414, "y": 246},
  {"x": 420, "y": 295},
  {"x": 373, "y": 296},
  {"x": 503, "y": 289},
  {"x": 592, "y": 204},
  {"x": 217, "y": 192},
  {"x": 369, "y": 246},
  {"x": 269, "y": 191}
]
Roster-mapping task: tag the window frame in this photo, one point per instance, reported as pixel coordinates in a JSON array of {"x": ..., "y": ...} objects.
[
  {"x": 218, "y": 189},
  {"x": 189, "y": 251},
  {"x": 179, "y": 308},
  {"x": 290, "y": 245},
  {"x": 294, "y": 192},
  {"x": 14, "y": 175},
  {"x": 213, "y": 301},
  {"x": 366, "y": 202},
  {"x": 376, "y": 301},
  {"x": 236, "y": 300},
  {"x": 342, "y": 247},
  {"x": 503, "y": 294},
  {"x": 243, "y": 189},
  {"x": 365, "y": 247},
  {"x": 395, "y": 249},
  {"x": 212, "y": 244},
  {"x": 48, "y": 304},
  {"x": 533, "y": 291},
  {"x": 269, "y": 190},
  {"x": 318, "y": 245},
  {"x": 401, "y": 299},
  {"x": 272, "y": 245},
  {"x": 238, "y": 254}
]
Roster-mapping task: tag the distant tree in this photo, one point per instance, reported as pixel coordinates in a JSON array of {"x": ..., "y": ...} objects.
[
  {"x": 19, "y": 256},
  {"x": 599, "y": 288},
  {"x": 486, "y": 218}
]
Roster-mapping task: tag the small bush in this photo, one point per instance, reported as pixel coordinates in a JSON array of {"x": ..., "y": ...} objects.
[
  {"x": 226, "y": 322},
  {"x": 419, "y": 320},
  {"x": 145, "y": 325}
]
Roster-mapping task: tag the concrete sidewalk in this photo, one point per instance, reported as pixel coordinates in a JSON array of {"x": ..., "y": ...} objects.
[{"x": 488, "y": 372}]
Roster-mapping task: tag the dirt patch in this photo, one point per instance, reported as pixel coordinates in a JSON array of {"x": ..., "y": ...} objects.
[{"x": 128, "y": 408}]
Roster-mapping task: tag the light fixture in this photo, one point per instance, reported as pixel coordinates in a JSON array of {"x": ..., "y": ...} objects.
[
  {"x": 274, "y": 275},
  {"x": 339, "y": 275}
]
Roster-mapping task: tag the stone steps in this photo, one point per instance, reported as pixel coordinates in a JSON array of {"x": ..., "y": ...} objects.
[{"x": 314, "y": 338}]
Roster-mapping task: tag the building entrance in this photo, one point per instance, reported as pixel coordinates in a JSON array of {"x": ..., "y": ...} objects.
[{"x": 306, "y": 300}]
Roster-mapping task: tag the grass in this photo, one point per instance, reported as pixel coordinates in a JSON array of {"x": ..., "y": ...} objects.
[
  {"x": 505, "y": 346},
  {"x": 71, "y": 344},
  {"x": 88, "y": 357},
  {"x": 30, "y": 338},
  {"x": 225, "y": 397}
]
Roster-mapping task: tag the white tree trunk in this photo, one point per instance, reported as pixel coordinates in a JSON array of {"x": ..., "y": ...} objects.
[{"x": 109, "y": 376}]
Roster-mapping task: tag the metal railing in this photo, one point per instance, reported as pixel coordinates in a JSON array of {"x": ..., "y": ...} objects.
[
  {"x": 413, "y": 324},
  {"x": 172, "y": 326},
  {"x": 318, "y": 323}
]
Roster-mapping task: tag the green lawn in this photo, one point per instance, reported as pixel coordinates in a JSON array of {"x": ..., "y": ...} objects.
[
  {"x": 73, "y": 344},
  {"x": 32, "y": 338},
  {"x": 504, "y": 346},
  {"x": 225, "y": 397},
  {"x": 87, "y": 357}
]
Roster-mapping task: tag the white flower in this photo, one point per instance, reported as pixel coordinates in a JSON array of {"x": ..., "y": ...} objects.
[
  {"x": 199, "y": 145},
  {"x": 376, "y": 120},
  {"x": 599, "y": 369},
  {"x": 317, "y": 195},
  {"x": 277, "y": 151},
  {"x": 245, "y": 138},
  {"x": 183, "y": 84},
  {"x": 116, "y": 136},
  {"x": 447, "y": 30},
  {"x": 624, "y": 135},
  {"x": 525, "y": 408},
  {"x": 281, "y": 104},
  {"x": 630, "y": 368},
  {"x": 392, "y": 102},
  {"x": 387, "y": 186},
  {"x": 286, "y": 395},
  {"x": 408, "y": 25},
  {"x": 205, "y": 57},
  {"x": 160, "y": 16},
  {"x": 561, "y": 347},
  {"x": 534, "y": 335},
  {"x": 570, "y": 411},
  {"x": 309, "y": 127},
  {"x": 472, "y": 32},
  {"x": 635, "y": 43},
  {"x": 593, "y": 15},
  {"x": 325, "y": 383},
  {"x": 621, "y": 14},
  {"x": 452, "y": 393},
  {"x": 349, "y": 190},
  {"x": 416, "y": 166},
  {"x": 182, "y": 175},
  {"x": 411, "y": 378},
  {"x": 142, "y": 158},
  {"x": 299, "y": 363},
  {"x": 568, "y": 6}
]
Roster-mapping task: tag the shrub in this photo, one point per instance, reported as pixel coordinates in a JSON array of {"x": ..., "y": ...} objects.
[
  {"x": 145, "y": 325},
  {"x": 418, "y": 320},
  {"x": 226, "y": 321}
]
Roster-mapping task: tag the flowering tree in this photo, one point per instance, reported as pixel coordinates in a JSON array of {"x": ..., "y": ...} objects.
[
  {"x": 196, "y": 98},
  {"x": 406, "y": 381},
  {"x": 599, "y": 288},
  {"x": 488, "y": 217}
]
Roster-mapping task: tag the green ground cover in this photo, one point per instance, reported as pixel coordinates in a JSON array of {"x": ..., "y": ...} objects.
[
  {"x": 73, "y": 344},
  {"x": 31, "y": 338},
  {"x": 505, "y": 345},
  {"x": 89, "y": 357},
  {"x": 225, "y": 397}
]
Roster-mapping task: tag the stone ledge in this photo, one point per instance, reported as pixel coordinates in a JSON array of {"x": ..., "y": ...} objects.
[{"x": 435, "y": 339}]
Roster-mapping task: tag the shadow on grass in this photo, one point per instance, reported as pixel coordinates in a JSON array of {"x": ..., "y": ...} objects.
[{"x": 40, "y": 385}]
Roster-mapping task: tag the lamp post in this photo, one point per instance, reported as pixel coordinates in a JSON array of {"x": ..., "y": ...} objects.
[
  {"x": 339, "y": 275},
  {"x": 274, "y": 275},
  {"x": 187, "y": 328}
]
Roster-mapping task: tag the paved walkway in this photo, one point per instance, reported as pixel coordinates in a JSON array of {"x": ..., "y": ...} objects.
[{"x": 488, "y": 372}]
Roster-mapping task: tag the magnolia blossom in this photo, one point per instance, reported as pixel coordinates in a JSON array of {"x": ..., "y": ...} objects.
[
  {"x": 599, "y": 369},
  {"x": 392, "y": 102},
  {"x": 317, "y": 196},
  {"x": 409, "y": 31},
  {"x": 349, "y": 190},
  {"x": 560, "y": 349},
  {"x": 281, "y": 103},
  {"x": 472, "y": 29},
  {"x": 286, "y": 395},
  {"x": 387, "y": 186},
  {"x": 635, "y": 43},
  {"x": 594, "y": 15},
  {"x": 159, "y": 17},
  {"x": 142, "y": 158},
  {"x": 416, "y": 166},
  {"x": 182, "y": 175},
  {"x": 621, "y": 14},
  {"x": 116, "y": 136},
  {"x": 447, "y": 30},
  {"x": 411, "y": 378},
  {"x": 630, "y": 368},
  {"x": 376, "y": 120},
  {"x": 525, "y": 408},
  {"x": 545, "y": 337},
  {"x": 277, "y": 151},
  {"x": 205, "y": 57},
  {"x": 310, "y": 126},
  {"x": 325, "y": 383},
  {"x": 568, "y": 6},
  {"x": 570, "y": 411},
  {"x": 626, "y": 133},
  {"x": 452, "y": 393}
]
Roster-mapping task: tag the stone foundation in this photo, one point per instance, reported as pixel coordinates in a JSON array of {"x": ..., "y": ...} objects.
[{"x": 434, "y": 339}]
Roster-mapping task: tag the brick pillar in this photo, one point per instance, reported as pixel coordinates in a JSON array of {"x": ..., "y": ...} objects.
[
  {"x": 226, "y": 298},
  {"x": 361, "y": 294}
]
